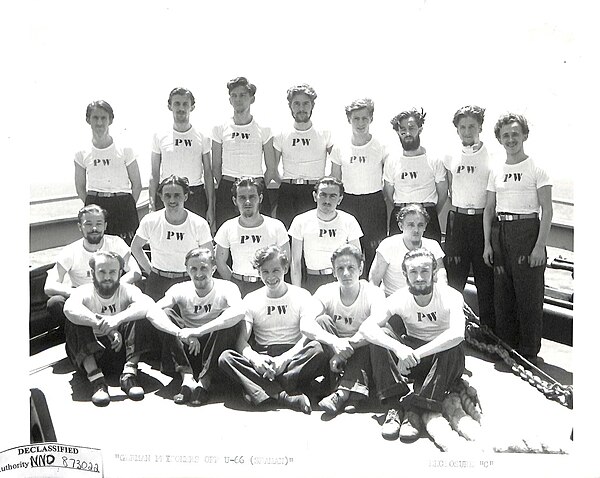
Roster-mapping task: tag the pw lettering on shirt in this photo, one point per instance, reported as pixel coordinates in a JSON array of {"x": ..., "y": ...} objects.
[
  {"x": 300, "y": 141},
  {"x": 240, "y": 134},
  {"x": 358, "y": 159},
  {"x": 206, "y": 308},
  {"x": 277, "y": 309},
  {"x": 432, "y": 316},
  {"x": 185, "y": 141},
  {"x": 111, "y": 309},
  {"x": 250, "y": 238},
  {"x": 513, "y": 176},
  {"x": 327, "y": 232},
  {"x": 408, "y": 175},
  {"x": 468, "y": 169},
  {"x": 346, "y": 320},
  {"x": 175, "y": 234},
  {"x": 102, "y": 162}
]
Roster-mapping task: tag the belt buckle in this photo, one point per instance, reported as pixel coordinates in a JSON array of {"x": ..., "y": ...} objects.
[
  {"x": 508, "y": 217},
  {"x": 471, "y": 211}
]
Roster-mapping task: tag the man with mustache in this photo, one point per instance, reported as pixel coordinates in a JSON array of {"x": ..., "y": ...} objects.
[
  {"x": 320, "y": 231},
  {"x": 303, "y": 151},
  {"x": 415, "y": 176},
  {"x": 72, "y": 265},
  {"x": 184, "y": 152},
  {"x": 243, "y": 235},
  {"x": 105, "y": 327},
  {"x": 430, "y": 353}
]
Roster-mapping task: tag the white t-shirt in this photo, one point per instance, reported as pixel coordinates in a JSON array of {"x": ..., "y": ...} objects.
[
  {"x": 321, "y": 238},
  {"x": 349, "y": 318},
  {"x": 106, "y": 169},
  {"x": 74, "y": 259},
  {"x": 393, "y": 250},
  {"x": 242, "y": 148},
  {"x": 277, "y": 321},
  {"x": 414, "y": 177},
  {"x": 125, "y": 295},
  {"x": 303, "y": 153},
  {"x": 470, "y": 173},
  {"x": 362, "y": 166},
  {"x": 426, "y": 323},
  {"x": 243, "y": 242},
  {"x": 169, "y": 243},
  {"x": 197, "y": 311},
  {"x": 516, "y": 186},
  {"x": 181, "y": 154}
]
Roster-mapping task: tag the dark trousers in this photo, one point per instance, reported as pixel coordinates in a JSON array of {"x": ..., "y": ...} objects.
[
  {"x": 357, "y": 369},
  {"x": 177, "y": 358},
  {"x": 196, "y": 201},
  {"x": 518, "y": 288},
  {"x": 225, "y": 208},
  {"x": 433, "y": 229},
  {"x": 464, "y": 249},
  {"x": 247, "y": 287},
  {"x": 433, "y": 376},
  {"x": 55, "y": 307},
  {"x": 371, "y": 213},
  {"x": 81, "y": 342},
  {"x": 121, "y": 215},
  {"x": 308, "y": 363},
  {"x": 294, "y": 199},
  {"x": 312, "y": 282},
  {"x": 156, "y": 285}
]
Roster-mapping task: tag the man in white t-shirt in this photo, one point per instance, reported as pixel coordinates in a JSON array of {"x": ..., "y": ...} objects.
[
  {"x": 273, "y": 360},
  {"x": 415, "y": 177},
  {"x": 358, "y": 163},
  {"x": 184, "y": 152},
  {"x": 318, "y": 232},
  {"x": 72, "y": 267},
  {"x": 387, "y": 267},
  {"x": 346, "y": 304},
  {"x": 468, "y": 171},
  {"x": 303, "y": 151},
  {"x": 238, "y": 147},
  {"x": 515, "y": 238},
  {"x": 206, "y": 310},
  {"x": 243, "y": 235},
  {"x": 107, "y": 327},
  {"x": 108, "y": 175},
  {"x": 430, "y": 353}
]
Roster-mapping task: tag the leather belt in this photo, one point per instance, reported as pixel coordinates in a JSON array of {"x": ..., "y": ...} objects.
[
  {"x": 243, "y": 278},
  {"x": 169, "y": 275},
  {"x": 319, "y": 272},
  {"x": 299, "y": 181},
  {"x": 106, "y": 195},
  {"x": 506, "y": 216},
  {"x": 424, "y": 204},
  {"x": 470, "y": 211},
  {"x": 234, "y": 179}
]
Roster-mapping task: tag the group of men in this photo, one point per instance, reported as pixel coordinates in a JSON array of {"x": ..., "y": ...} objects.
[{"x": 274, "y": 336}]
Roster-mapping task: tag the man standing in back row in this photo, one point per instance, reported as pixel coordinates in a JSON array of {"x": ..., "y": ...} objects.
[
  {"x": 184, "y": 152},
  {"x": 468, "y": 172},
  {"x": 303, "y": 150},
  {"x": 415, "y": 177}
]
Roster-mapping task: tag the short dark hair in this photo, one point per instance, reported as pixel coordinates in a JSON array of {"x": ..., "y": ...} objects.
[
  {"x": 413, "y": 208},
  {"x": 421, "y": 252},
  {"x": 508, "y": 119},
  {"x": 348, "y": 250},
  {"x": 90, "y": 208},
  {"x": 359, "y": 105},
  {"x": 247, "y": 181},
  {"x": 267, "y": 253},
  {"x": 99, "y": 104},
  {"x": 202, "y": 251},
  {"x": 419, "y": 117},
  {"x": 106, "y": 255},
  {"x": 303, "y": 88},
  {"x": 473, "y": 111},
  {"x": 330, "y": 181},
  {"x": 176, "y": 181},
  {"x": 182, "y": 91},
  {"x": 241, "y": 81}
]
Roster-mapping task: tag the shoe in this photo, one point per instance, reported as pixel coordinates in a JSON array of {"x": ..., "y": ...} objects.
[
  {"x": 299, "y": 403},
  {"x": 391, "y": 427},
  {"x": 183, "y": 396},
  {"x": 131, "y": 387},
  {"x": 408, "y": 431},
  {"x": 100, "y": 397},
  {"x": 199, "y": 396},
  {"x": 351, "y": 406},
  {"x": 332, "y": 403}
]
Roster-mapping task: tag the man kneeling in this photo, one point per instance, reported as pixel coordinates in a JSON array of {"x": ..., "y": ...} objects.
[
  {"x": 280, "y": 362},
  {"x": 208, "y": 310},
  {"x": 104, "y": 316},
  {"x": 430, "y": 353}
]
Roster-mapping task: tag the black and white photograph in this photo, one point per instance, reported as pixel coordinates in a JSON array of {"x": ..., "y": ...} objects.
[{"x": 298, "y": 239}]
